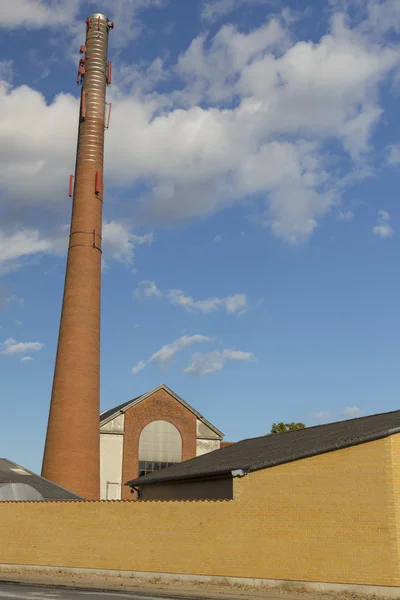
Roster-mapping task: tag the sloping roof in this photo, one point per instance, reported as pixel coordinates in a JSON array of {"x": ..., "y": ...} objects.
[
  {"x": 270, "y": 450},
  {"x": 11, "y": 472},
  {"x": 109, "y": 415}
]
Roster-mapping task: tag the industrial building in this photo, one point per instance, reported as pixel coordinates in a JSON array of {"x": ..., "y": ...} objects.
[
  {"x": 147, "y": 434},
  {"x": 211, "y": 476}
]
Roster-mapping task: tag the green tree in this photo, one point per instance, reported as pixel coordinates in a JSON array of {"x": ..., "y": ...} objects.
[{"x": 282, "y": 427}]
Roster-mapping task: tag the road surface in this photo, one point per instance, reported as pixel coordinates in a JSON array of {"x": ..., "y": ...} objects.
[{"x": 13, "y": 591}]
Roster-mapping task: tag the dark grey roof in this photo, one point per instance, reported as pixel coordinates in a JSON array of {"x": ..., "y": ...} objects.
[
  {"x": 11, "y": 472},
  {"x": 270, "y": 450},
  {"x": 114, "y": 411}
]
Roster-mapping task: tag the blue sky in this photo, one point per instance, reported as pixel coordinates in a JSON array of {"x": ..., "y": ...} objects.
[{"x": 251, "y": 212}]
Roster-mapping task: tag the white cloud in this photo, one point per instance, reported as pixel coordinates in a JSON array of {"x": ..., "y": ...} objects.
[
  {"x": 138, "y": 367},
  {"x": 383, "y": 229},
  {"x": 233, "y": 305},
  {"x": 383, "y": 16},
  {"x": 37, "y": 14},
  {"x": 136, "y": 326},
  {"x": 167, "y": 352},
  {"x": 351, "y": 412},
  {"x": 146, "y": 289},
  {"x": 147, "y": 238},
  {"x": 346, "y": 215},
  {"x": 22, "y": 247},
  {"x": 19, "y": 245},
  {"x": 164, "y": 355},
  {"x": 120, "y": 242},
  {"x": 298, "y": 94},
  {"x": 6, "y": 71},
  {"x": 195, "y": 157},
  {"x": 383, "y": 215},
  {"x": 322, "y": 416},
  {"x": 394, "y": 154},
  {"x": 211, "y": 362},
  {"x": 14, "y": 300},
  {"x": 11, "y": 347},
  {"x": 26, "y": 358},
  {"x": 218, "y": 238},
  {"x": 214, "y": 10},
  {"x": 36, "y": 167},
  {"x": 19, "y": 323}
]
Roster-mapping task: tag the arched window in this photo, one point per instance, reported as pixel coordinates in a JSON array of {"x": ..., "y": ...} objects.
[{"x": 160, "y": 446}]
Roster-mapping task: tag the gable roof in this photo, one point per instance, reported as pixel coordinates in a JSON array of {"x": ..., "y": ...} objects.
[
  {"x": 110, "y": 414},
  {"x": 270, "y": 450},
  {"x": 11, "y": 472}
]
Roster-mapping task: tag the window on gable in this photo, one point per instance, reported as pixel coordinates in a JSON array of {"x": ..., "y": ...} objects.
[{"x": 160, "y": 446}]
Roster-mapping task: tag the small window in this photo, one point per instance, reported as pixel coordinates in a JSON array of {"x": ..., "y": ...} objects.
[{"x": 146, "y": 467}]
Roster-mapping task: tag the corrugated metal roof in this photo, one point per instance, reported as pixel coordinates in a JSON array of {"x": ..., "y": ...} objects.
[{"x": 270, "y": 450}]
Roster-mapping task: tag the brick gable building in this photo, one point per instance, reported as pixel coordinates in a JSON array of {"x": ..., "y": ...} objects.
[{"x": 147, "y": 434}]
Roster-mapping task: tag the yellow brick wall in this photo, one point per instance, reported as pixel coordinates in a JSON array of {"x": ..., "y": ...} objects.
[
  {"x": 330, "y": 518},
  {"x": 395, "y": 488}
]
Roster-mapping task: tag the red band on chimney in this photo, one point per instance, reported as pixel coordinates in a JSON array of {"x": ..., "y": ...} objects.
[
  {"x": 98, "y": 182},
  {"x": 71, "y": 185},
  {"x": 109, "y": 104},
  {"x": 81, "y": 71},
  {"x": 83, "y": 109}
]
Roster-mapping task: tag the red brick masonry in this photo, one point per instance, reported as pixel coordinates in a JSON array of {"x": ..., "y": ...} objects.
[{"x": 159, "y": 406}]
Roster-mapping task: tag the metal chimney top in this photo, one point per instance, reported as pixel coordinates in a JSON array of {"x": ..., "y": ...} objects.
[{"x": 97, "y": 15}]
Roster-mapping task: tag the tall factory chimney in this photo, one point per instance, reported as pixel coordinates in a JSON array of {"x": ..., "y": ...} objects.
[{"x": 72, "y": 450}]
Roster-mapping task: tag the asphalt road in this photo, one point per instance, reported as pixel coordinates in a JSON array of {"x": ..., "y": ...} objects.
[{"x": 12, "y": 591}]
